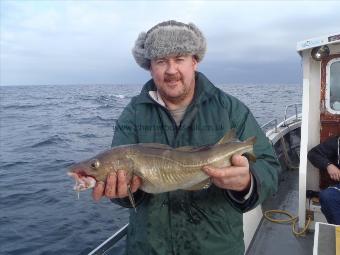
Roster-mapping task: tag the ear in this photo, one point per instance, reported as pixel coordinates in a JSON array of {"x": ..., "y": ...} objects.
[
  {"x": 151, "y": 70},
  {"x": 194, "y": 63}
]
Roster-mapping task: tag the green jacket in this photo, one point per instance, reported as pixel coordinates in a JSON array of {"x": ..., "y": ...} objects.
[{"x": 193, "y": 222}]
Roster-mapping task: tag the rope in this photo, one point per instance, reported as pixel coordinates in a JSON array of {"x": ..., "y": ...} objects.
[
  {"x": 285, "y": 153},
  {"x": 291, "y": 219}
]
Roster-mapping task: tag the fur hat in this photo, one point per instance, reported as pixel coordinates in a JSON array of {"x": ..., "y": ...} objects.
[{"x": 168, "y": 38}]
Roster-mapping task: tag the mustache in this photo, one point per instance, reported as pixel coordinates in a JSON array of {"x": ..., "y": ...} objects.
[{"x": 172, "y": 77}]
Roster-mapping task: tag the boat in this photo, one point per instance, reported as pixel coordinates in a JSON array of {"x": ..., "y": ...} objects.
[{"x": 285, "y": 222}]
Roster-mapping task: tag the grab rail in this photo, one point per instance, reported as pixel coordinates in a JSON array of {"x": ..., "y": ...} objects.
[
  {"x": 274, "y": 122},
  {"x": 108, "y": 243},
  {"x": 296, "y": 111},
  {"x": 270, "y": 123}
]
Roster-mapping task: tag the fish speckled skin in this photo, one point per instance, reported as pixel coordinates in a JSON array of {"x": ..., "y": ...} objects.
[{"x": 161, "y": 167}]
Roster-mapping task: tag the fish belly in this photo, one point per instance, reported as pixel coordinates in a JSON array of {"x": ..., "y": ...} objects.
[
  {"x": 176, "y": 170},
  {"x": 169, "y": 176}
]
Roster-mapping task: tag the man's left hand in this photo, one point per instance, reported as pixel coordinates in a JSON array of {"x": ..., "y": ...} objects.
[
  {"x": 333, "y": 172},
  {"x": 235, "y": 177}
]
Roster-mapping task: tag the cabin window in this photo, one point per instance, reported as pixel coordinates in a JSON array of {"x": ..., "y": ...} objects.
[{"x": 333, "y": 82}]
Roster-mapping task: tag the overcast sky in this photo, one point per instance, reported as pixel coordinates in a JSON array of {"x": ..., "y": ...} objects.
[{"x": 90, "y": 42}]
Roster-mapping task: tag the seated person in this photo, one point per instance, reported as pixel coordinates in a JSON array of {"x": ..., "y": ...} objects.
[{"x": 325, "y": 156}]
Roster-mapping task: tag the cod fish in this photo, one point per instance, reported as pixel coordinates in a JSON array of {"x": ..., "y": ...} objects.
[{"x": 161, "y": 167}]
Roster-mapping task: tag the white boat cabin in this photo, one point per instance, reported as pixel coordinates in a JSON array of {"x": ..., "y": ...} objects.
[{"x": 320, "y": 113}]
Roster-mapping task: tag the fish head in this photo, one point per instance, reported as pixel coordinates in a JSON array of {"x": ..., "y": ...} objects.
[{"x": 88, "y": 172}]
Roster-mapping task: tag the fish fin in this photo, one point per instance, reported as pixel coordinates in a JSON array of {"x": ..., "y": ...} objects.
[
  {"x": 193, "y": 149},
  {"x": 167, "y": 147},
  {"x": 187, "y": 148},
  {"x": 250, "y": 156},
  {"x": 131, "y": 198},
  {"x": 155, "y": 145},
  {"x": 201, "y": 185},
  {"x": 228, "y": 137},
  {"x": 250, "y": 140},
  {"x": 183, "y": 148}
]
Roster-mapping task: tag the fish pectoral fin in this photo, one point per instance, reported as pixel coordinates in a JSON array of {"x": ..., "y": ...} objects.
[
  {"x": 250, "y": 156},
  {"x": 201, "y": 185},
  {"x": 228, "y": 137},
  {"x": 131, "y": 198}
]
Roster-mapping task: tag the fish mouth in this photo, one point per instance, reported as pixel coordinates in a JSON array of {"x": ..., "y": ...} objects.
[{"x": 82, "y": 182}]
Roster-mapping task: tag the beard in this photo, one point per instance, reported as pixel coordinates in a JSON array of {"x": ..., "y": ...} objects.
[{"x": 183, "y": 90}]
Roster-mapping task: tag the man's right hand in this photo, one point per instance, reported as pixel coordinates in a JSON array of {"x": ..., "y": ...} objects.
[
  {"x": 116, "y": 186},
  {"x": 333, "y": 172}
]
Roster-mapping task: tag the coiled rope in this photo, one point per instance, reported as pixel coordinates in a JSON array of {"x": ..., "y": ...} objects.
[{"x": 291, "y": 219}]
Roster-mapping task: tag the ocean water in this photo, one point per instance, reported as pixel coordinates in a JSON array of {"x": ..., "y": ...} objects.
[{"x": 45, "y": 129}]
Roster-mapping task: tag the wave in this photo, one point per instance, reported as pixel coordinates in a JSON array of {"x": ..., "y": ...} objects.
[
  {"x": 95, "y": 119},
  {"x": 11, "y": 164},
  {"x": 104, "y": 119},
  {"x": 110, "y": 100},
  {"x": 120, "y": 96},
  {"x": 265, "y": 101},
  {"x": 24, "y": 196},
  {"x": 86, "y": 97},
  {"x": 110, "y": 97},
  {"x": 28, "y": 106},
  {"x": 88, "y": 136},
  {"x": 49, "y": 141}
]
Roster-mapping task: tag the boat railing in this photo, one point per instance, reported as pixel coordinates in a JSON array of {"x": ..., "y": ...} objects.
[
  {"x": 296, "y": 111},
  {"x": 269, "y": 124},
  {"x": 274, "y": 122},
  {"x": 105, "y": 247}
]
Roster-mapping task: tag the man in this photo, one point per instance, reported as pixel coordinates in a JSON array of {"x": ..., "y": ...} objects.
[
  {"x": 326, "y": 157},
  {"x": 179, "y": 107}
]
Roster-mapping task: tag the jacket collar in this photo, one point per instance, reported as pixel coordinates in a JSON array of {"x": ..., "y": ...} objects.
[{"x": 204, "y": 90}]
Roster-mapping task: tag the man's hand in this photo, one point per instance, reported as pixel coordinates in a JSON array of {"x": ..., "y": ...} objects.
[
  {"x": 235, "y": 177},
  {"x": 333, "y": 172},
  {"x": 116, "y": 186}
]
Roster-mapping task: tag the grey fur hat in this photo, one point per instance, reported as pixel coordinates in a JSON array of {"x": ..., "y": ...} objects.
[{"x": 167, "y": 38}]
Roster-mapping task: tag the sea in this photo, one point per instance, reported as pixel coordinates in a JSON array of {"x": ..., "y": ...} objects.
[{"x": 45, "y": 129}]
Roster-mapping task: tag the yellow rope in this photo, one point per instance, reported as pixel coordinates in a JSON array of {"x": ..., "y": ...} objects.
[
  {"x": 291, "y": 219},
  {"x": 337, "y": 240}
]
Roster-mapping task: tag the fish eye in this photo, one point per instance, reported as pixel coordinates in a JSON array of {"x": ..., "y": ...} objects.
[{"x": 95, "y": 164}]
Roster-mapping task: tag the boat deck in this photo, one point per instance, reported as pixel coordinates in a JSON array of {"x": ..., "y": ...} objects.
[{"x": 273, "y": 238}]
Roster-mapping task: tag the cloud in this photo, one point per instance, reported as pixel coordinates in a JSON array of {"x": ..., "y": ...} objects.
[{"x": 49, "y": 42}]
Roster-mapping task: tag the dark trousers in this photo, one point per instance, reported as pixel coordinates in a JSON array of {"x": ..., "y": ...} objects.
[{"x": 330, "y": 204}]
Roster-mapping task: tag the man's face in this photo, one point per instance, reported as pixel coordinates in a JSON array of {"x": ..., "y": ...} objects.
[{"x": 174, "y": 77}]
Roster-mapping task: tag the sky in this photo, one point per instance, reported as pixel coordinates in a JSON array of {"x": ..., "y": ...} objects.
[{"x": 51, "y": 42}]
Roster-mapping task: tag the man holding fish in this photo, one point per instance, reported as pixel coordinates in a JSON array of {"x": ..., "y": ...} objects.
[{"x": 182, "y": 119}]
